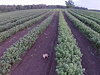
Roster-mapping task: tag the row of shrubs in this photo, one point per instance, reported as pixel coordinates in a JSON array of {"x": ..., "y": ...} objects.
[
  {"x": 18, "y": 22},
  {"x": 6, "y": 34},
  {"x": 13, "y": 54},
  {"x": 11, "y": 20},
  {"x": 92, "y": 24},
  {"x": 87, "y": 31},
  {"x": 68, "y": 55},
  {"x": 87, "y": 16},
  {"x": 14, "y": 16},
  {"x": 90, "y": 13}
]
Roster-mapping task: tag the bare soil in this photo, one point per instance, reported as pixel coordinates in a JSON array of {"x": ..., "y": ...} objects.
[
  {"x": 7, "y": 43},
  {"x": 33, "y": 63}
]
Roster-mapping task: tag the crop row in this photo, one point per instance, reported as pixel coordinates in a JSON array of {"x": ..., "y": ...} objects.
[
  {"x": 85, "y": 15},
  {"x": 68, "y": 55},
  {"x": 90, "y": 13},
  {"x": 13, "y": 16},
  {"x": 14, "y": 19},
  {"x": 87, "y": 31},
  {"x": 18, "y": 22},
  {"x": 6, "y": 34},
  {"x": 92, "y": 24},
  {"x": 12, "y": 55}
]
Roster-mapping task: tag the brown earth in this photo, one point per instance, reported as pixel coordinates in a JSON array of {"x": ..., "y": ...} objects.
[
  {"x": 33, "y": 63},
  {"x": 7, "y": 43}
]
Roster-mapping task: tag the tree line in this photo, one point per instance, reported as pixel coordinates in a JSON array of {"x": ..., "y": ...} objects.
[
  {"x": 7, "y": 8},
  {"x": 69, "y": 4}
]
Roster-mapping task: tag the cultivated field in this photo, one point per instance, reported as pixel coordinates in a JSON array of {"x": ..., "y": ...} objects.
[{"x": 70, "y": 38}]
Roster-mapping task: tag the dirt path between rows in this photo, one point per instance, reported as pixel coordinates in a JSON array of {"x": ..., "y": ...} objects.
[
  {"x": 33, "y": 62},
  {"x": 7, "y": 43},
  {"x": 90, "y": 62}
]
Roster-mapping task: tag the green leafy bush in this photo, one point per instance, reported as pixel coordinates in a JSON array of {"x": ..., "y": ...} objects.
[
  {"x": 19, "y": 22},
  {"x": 85, "y": 15},
  {"x": 11, "y": 17},
  {"x": 68, "y": 55},
  {"x": 6, "y": 34},
  {"x": 92, "y": 24},
  {"x": 87, "y": 31},
  {"x": 93, "y": 14}
]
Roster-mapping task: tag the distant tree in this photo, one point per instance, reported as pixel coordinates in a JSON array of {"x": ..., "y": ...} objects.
[{"x": 69, "y": 4}]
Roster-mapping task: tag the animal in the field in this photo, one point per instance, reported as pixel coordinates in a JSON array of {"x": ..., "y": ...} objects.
[{"x": 45, "y": 56}]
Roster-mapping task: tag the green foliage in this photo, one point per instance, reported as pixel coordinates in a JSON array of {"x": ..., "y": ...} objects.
[
  {"x": 13, "y": 53},
  {"x": 87, "y": 31},
  {"x": 68, "y": 55},
  {"x": 93, "y": 14},
  {"x": 6, "y": 34},
  {"x": 11, "y": 17},
  {"x": 85, "y": 15},
  {"x": 92, "y": 24},
  {"x": 19, "y": 21}
]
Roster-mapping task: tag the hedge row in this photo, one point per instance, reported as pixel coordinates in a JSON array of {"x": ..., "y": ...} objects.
[
  {"x": 6, "y": 34},
  {"x": 14, "y": 16},
  {"x": 68, "y": 55},
  {"x": 12, "y": 55},
  {"x": 87, "y": 31},
  {"x": 92, "y": 24},
  {"x": 90, "y": 13},
  {"x": 18, "y": 22},
  {"x": 15, "y": 19},
  {"x": 85, "y": 15}
]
